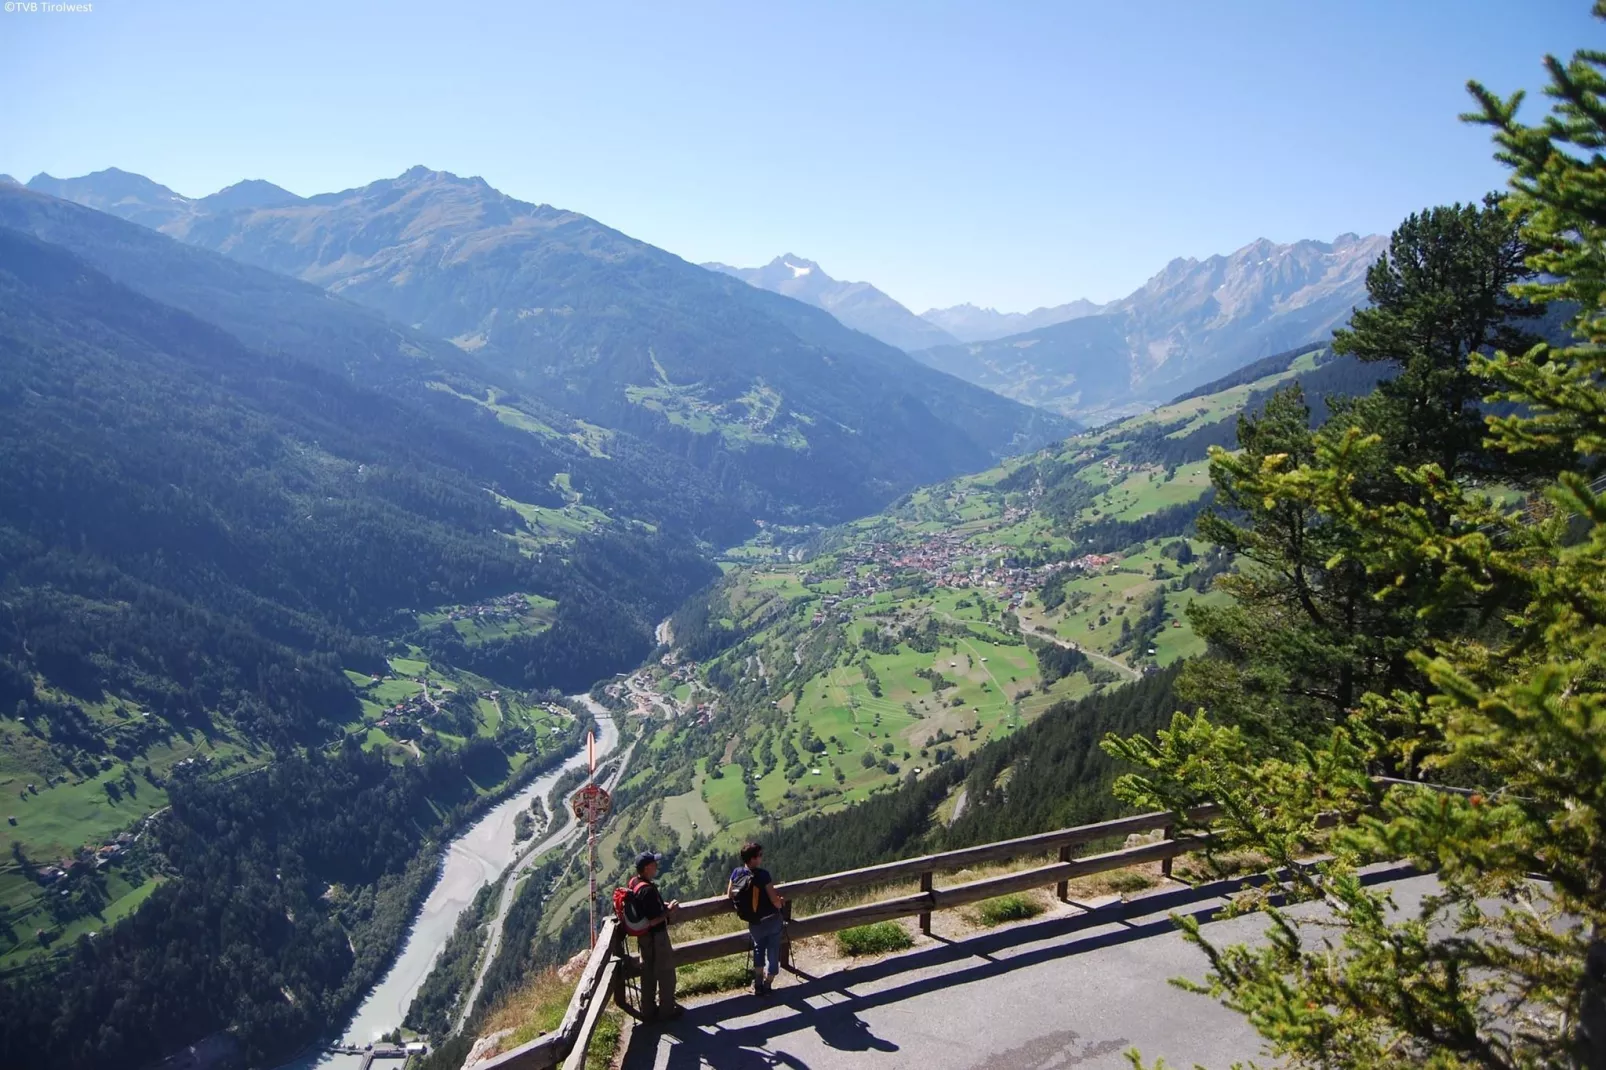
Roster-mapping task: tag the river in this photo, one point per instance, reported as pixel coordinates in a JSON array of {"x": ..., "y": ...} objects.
[{"x": 474, "y": 859}]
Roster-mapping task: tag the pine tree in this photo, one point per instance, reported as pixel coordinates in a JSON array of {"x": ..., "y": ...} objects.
[
  {"x": 1440, "y": 294},
  {"x": 1505, "y": 965}
]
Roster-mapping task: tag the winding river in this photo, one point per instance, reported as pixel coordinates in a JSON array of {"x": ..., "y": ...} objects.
[{"x": 474, "y": 859}]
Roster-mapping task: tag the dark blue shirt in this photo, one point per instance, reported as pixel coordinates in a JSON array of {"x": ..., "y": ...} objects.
[{"x": 762, "y": 881}]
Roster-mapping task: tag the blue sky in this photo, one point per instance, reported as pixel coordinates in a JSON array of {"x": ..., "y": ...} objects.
[{"x": 1010, "y": 154}]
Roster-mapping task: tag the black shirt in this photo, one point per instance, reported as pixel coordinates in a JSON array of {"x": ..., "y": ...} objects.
[
  {"x": 762, "y": 881},
  {"x": 650, "y": 901}
]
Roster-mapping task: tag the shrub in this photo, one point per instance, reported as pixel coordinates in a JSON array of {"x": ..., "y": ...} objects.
[
  {"x": 1007, "y": 908},
  {"x": 876, "y": 939}
]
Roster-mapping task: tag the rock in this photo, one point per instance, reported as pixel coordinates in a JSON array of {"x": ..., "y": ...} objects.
[
  {"x": 571, "y": 970},
  {"x": 485, "y": 1047},
  {"x": 1138, "y": 839}
]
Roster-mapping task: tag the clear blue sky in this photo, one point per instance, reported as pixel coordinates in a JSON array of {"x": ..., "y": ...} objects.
[{"x": 1010, "y": 154}]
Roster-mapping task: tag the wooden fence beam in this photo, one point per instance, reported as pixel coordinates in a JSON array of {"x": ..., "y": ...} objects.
[
  {"x": 912, "y": 868},
  {"x": 594, "y": 1008}
]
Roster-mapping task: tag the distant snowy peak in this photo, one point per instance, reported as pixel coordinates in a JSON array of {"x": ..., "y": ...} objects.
[{"x": 857, "y": 304}]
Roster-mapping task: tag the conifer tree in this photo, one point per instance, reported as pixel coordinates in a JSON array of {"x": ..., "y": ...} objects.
[
  {"x": 1504, "y": 965},
  {"x": 1441, "y": 293}
]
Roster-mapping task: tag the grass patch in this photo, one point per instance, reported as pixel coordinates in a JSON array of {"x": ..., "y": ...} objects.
[
  {"x": 532, "y": 1010},
  {"x": 605, "y": 1041},
  {"x": 876, "y": 939},
  {"x": 1005, "y": 909},
  {"x": 1128, "y": 880},
  {"x": 716, "y": 975}
]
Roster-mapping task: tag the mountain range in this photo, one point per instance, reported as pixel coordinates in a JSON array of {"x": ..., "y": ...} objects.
[
  {"x": 812, "y": 419},
  {"x": 1191, "y": 322},
  {"x": 968, "y": 323}
]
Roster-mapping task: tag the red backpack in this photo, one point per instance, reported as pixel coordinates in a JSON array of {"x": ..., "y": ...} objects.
[{"x": 628, "y": 910}]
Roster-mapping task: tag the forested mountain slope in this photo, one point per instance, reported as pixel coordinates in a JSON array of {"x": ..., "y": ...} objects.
[
  {"x": 766, "y": 393},
  {"x": 242, "y": 588},
  {"x": 277, "y": 315}
]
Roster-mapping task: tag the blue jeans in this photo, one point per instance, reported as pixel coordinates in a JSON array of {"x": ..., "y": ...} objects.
[{"x": 766, "y": 936}]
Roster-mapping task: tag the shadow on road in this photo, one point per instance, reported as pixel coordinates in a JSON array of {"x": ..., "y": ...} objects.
[{"x": 706, "y": 1036}]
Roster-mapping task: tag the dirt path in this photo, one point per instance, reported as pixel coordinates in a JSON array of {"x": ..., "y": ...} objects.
[{"x": 1119, "y": 666}]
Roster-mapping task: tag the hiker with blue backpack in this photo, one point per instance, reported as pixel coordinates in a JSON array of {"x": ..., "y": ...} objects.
[{"x": 752, "y": 892}]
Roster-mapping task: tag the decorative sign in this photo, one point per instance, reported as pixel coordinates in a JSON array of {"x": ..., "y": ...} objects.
[{"x": 591, "y": 804}]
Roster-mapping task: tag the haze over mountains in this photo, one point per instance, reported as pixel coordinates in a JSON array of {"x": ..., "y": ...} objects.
[
  {"x": 1194, "y": 321},
  {"x": 635, "y": 339},
  {"x": 814, "y": 419},
  {"x": 968, "y": 323},
  {"x": 857, "y": 304},
  {"x": 1191, "y": 322}
]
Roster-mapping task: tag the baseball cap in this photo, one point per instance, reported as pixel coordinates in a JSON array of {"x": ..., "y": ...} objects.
[{"x": 647, "y": 856}]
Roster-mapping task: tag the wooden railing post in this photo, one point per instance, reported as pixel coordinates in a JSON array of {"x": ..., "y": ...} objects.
[
  {"x": 925, "y": 888},
  {"x": 1063, "y": 890},
  {"x": 1165, "y": 863}
]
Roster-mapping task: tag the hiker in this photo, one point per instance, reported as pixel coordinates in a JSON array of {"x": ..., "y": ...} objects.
[
  {"x": 752, "y": 892},
  {"x": 657, "y": 955}
]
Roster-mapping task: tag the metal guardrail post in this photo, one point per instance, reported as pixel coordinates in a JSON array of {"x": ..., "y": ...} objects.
[
  {"x": 925, "y": 887},
  {"x": 786, "y": 936}
]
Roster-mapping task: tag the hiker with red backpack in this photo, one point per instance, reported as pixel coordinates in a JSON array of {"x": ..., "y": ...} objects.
[
  {"x": 642, "y": 911},
  {"x": 752, "y": 892}
]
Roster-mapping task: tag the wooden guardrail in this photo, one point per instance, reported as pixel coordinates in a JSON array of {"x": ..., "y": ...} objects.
[
  {"x": 931, "y": 898},
  {"x": 569, "y": 1042}
]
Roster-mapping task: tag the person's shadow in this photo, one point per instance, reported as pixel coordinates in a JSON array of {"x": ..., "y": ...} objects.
[{"x": 846, "y": 1031}]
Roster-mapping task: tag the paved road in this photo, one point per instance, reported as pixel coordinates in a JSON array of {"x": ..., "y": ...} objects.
[{"x": 1067, "y": 992}]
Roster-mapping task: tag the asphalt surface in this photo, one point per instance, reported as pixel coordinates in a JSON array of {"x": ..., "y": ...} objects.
[{"x": 1066, "y": 992}]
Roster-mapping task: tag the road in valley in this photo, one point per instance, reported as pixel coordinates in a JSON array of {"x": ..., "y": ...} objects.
[
  {"x": 472, "y": 860},
  {"x": 562, "y": 831}
]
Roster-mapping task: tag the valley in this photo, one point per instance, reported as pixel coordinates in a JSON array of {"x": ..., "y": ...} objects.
[
  {"x": 829, "y": 667},
  {"x": 1227, "y": 534},
  {"x": 397, "y": 566}
]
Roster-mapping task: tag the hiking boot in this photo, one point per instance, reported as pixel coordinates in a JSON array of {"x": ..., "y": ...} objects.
[{"x": 672, "y": 1014}]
